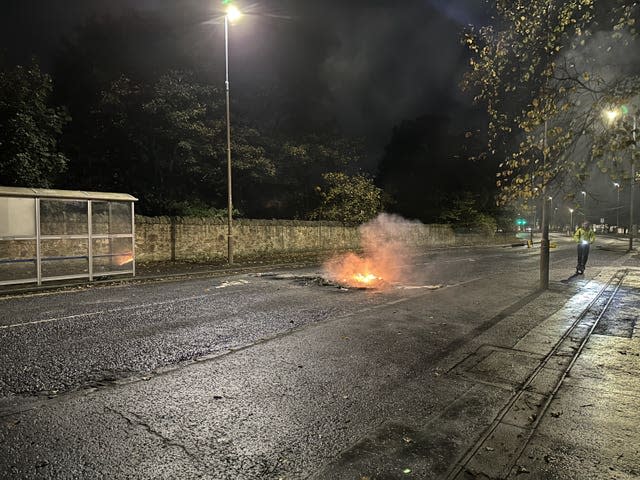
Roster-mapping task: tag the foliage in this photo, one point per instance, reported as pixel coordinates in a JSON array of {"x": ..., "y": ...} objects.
[
  {"x": 166, "y": 143},
  {"x": 545, "y": 70},
  {"x": 148, "y": 123},
  {"x": 348, "y": 199},
  {"x": 29, "y": 129},
  {"x": 464, "y": 213},
  {"x": 300, "y": 163}
]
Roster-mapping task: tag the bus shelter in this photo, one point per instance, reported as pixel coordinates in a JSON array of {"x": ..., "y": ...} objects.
[{"x": 49, "y": 235}]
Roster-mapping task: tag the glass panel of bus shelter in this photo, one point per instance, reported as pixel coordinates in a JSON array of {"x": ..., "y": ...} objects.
[
  {"x": 111, "y": 218},
  {"x": 17, "y": 217},
  {"x": 65, "y": 256},
  {"x": 17, "y": 239},
  {"x": 17, "y": 260},
  {"x": 63, "y": 217},
  {"x": 112, "y": 255}
]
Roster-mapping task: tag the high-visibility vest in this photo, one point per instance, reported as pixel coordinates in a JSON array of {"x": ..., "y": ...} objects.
[{"x": 582, "y": 234}]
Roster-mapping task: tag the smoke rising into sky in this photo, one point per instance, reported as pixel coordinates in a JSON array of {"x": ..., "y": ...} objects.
[{"x": 388, "y": 246}]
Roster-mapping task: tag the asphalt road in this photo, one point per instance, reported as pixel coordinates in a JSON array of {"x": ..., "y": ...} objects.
[{"x": 262, "y": 375}]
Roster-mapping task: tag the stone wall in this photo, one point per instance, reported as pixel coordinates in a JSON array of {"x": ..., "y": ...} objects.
[
  {"x": 201, "y": 239},
  {"x": 164, "y": 238}
]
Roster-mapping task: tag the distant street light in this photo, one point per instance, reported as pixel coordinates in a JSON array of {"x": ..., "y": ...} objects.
[
  {"x": 617, "y": 185},
  {"x": 232, "y": 15},
  {"x": 612, "y": 115},
  {"x": 571, "y": 219},
  {"x": 584, "y": 206}
]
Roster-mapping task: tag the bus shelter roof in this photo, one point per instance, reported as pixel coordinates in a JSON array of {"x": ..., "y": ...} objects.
[{"x": 65, "y": 194}]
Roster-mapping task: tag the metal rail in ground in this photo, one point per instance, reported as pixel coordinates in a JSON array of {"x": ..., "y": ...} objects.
[{"x": 497, "y": 450}]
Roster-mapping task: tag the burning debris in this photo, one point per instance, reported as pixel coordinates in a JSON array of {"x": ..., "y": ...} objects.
[{"x": 384, "y": 261}]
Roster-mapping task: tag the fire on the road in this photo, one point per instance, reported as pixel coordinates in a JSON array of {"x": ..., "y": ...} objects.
[
  {"x": 384, "y": 260},
  {"x": 354, "y": 271}
]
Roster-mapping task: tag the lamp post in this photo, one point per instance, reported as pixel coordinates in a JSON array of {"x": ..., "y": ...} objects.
[
  {"x": 231, "y": 15},
  {"x": 633, "y": 182},
  {"x": 584, "y": 206},
  {"x": 617, "y": 185},
  {"x": 571, "y": 219},
  {"x": 611, "y": 116},
  {"x": 553, "y": 213}
]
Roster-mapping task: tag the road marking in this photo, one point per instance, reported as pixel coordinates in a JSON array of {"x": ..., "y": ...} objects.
[
  {"x": 113, "y": 310},
  {"x": 232, "y": 283},
  {"x": 47, "y": 320}
]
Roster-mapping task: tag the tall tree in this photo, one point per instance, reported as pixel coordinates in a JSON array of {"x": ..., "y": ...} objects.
[
  {"x": 545, "y": 69},
  {"x": 30, "y": 128},
  {"x": 350, "y": 199},
  {"x": 166, "y": 143},
  {"x": 300, "y": 162}
]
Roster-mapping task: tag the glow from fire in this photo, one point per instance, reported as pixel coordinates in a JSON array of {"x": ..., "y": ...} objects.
[
  {"x": 121, "y": 260},
  {"x": 383, "y": 262}
]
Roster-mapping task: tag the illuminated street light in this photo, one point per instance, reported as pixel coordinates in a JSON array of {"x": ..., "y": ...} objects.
[
  {"x": 571, "y": 219},
  {"x": 612, "y": 115},
  {"x": 232, "y": 15},
  {"x": 584, "y": 206}
]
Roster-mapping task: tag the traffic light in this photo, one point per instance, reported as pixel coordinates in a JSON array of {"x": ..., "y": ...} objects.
[{"x": 521, "y": 222}]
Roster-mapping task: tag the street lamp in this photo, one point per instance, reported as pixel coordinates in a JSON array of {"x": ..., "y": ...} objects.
[
  {"x": 231, "y": 15},
  {"x": 617, "y": 185},
  {"x": 611, "y": 116},
  {"x": 551, "y": 209},
  {"x": 584, "y": 206},
  {"x": 571, "y": 219}
]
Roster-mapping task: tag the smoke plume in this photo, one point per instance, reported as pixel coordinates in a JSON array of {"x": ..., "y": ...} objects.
[{"x": 388, "y": 243}]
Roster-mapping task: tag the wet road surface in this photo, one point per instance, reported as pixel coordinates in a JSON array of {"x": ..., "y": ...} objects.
[{"x": 264, "y": 375}]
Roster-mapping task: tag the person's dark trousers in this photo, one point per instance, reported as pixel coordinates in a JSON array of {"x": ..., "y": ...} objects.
[{"x": 583, "y": 256}]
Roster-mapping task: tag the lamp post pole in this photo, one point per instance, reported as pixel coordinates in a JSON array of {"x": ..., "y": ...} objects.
[
  {"x": 633, "y": 182},
  {"x": 584, "y": 206},
  {"x": 231, "y": 14},
  {"x": 617, "y": 185},
  {"x": 611, "y": 115}
]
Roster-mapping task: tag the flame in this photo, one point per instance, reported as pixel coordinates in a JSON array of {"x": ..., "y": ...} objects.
[
  {"x": 387, "y": 244},
  {"x": 355, "y": 271},
  {"x": 365, "y": 278}
]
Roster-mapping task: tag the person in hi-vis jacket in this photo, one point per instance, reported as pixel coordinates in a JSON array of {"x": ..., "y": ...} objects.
[{"x": 584, "y": 236}]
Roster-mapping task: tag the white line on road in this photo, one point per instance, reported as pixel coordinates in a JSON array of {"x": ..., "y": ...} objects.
[{"x": 113, "y": 310}]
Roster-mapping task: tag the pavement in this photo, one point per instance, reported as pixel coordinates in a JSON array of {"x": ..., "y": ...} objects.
[
  {"x": 575, "y": 414},
  {"x": 555, "y": 401}
]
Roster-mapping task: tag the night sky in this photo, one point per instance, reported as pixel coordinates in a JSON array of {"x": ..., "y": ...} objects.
[{"x": 367, "y": 64}]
